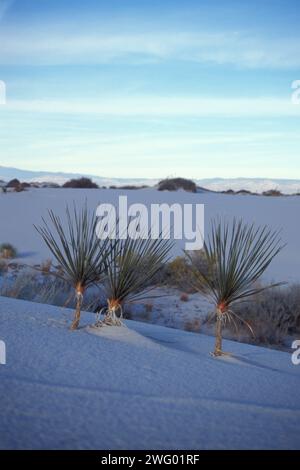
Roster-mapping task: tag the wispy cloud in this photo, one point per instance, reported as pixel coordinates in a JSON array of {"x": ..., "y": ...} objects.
[
  {"x": 149, "y": 106},
  {"x": 146, "y": 144},
  {"x": 234, "y": 48}
]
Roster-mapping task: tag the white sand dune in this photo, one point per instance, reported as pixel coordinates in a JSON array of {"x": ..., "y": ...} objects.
[{"x": 138, "y": 387}]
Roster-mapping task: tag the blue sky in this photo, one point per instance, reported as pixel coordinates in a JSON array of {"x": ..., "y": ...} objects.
[{"x": 151, "y": 88}]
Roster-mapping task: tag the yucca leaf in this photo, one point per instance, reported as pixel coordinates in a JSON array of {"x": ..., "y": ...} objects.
[
  {"x": 75, "y": 246},
  {"x": 132, "y": 264},
  {"x": 237, "y": 257}
]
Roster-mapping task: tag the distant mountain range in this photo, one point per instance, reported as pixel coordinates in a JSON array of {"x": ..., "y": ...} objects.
[
  {"x": 7, "y": 173},
  {"x": 259, "y": 185}
]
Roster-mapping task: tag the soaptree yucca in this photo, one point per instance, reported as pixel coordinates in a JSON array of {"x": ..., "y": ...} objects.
[
  {"x": 237, "y": 255},
  {"x": 131, "y": 265},
  {"x": 75, "y": 246}
]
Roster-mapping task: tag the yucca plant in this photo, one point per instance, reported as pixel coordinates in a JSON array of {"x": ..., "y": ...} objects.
[
  {"x": 131, "y": 265},
  {"x": 237, "y": 255},
  {"x": 75, "y": 246}
]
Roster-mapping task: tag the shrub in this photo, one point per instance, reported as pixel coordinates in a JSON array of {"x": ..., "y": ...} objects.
[
  {"x": 228, "y": 191},
  {"x": 132, "y": 187},
  {"x": 3, "y": 267},
  {"x": 28, "y": 285},
  {"x": 46, "y": 266},
  {"x": 20, "y": 187},
  {"x": 19, "y": 286},
  {"x": 173, "y": 184},
  {"x": 193, "y": 326},
  {"x": 180, "y": 272},
  {"x": 14, "y": 183},
  {"x": 240, "y": 192},
  {"x": 177, "y": 273},
  {"x": 8, "y": 251},
  {"x": 81, "y": 183},
  {"x": 273, "y": 315},
  {"x": 245, "y": 192},
  {"x": 272, "y": 192}
]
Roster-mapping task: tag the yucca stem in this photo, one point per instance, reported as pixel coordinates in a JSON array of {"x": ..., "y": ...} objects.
[
  {"x": 76, "y": 320},
  {"x": 111, "y": 317},
  {"x": 218, "y": 342}
]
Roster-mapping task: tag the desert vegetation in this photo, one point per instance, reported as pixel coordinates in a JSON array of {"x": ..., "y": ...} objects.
[
  {"x": 14, "y": 183},
  {"x": 75, "y": 246},
  {"x": 241, "y": 192},
  {"x": 167, "y": 184},
  {"x": 123, "y": 267},
  {"x": 132, "y": 187},
  {"x": 80, "y": 183},
  {"x": 131, "y": 266},
  {"x": 274, "y": 315},
  {"x": 180, "y": 272},
  {"x": 120, "y": 272},
  {"x": 272, "y": 193},
  {"x": 237, "y": 256},
  {"x": 173, "y": 184},
  {"x": 7, "y": 251}
]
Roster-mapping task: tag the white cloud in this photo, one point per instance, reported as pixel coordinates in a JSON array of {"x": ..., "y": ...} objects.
[
  {"x": 65, "y": 47},
  {"x": 148, "y": 145},
  {"x": 149, "y": 106}
]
